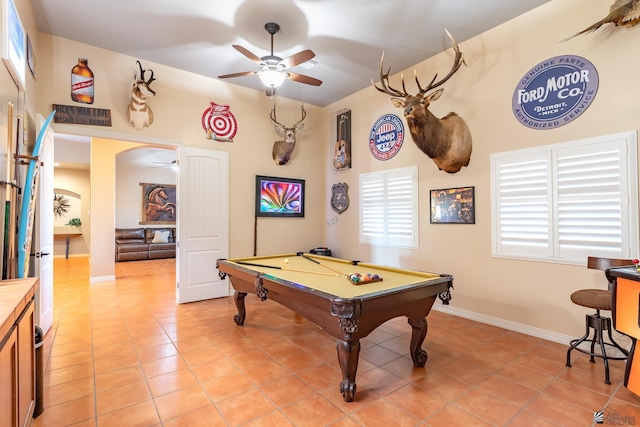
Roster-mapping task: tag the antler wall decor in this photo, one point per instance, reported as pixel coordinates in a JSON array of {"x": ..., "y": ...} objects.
[
  {"x": 282, "y": 150},
  {"x": 139, "y": 113},
  {"x": 447, "y": 141}
]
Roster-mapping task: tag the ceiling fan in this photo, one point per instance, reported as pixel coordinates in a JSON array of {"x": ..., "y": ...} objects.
[
  {"x": 173, "y": 164},
  {"x": 273, "y": 69}
]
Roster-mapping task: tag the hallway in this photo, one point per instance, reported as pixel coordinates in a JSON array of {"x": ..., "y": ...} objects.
[{"x": 123, "y": 353}]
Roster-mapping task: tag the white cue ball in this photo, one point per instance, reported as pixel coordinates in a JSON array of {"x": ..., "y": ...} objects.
[{"x": 286, "y": 260}]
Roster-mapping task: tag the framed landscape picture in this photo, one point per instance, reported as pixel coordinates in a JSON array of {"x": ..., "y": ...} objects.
[
  {"x": 279, "y": 197},
  {"x": 453, "y": 206}
]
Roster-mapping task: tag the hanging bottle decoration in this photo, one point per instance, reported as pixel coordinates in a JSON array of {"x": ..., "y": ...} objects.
[{"x": 82, "y": 82}]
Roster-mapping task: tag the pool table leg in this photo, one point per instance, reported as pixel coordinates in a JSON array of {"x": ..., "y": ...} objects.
[
  {"x": 419, "y": 332},
  {"x": 242, "y": 313},
  {"x": 348, "y": 353}
]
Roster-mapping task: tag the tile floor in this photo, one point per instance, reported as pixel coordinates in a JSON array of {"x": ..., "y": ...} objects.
[{"x": 122, "y": 353}]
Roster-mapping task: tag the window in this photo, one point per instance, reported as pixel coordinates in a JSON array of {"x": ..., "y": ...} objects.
[
  {"x": 389, "y": 208},
  {"x": 565, "y": 202}
]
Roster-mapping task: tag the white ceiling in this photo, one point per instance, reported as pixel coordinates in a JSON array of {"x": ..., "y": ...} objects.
[{"x": 347, "y": 36}]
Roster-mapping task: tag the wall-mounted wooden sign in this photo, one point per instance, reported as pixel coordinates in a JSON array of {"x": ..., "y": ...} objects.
[{"x": 73, "y": 114}]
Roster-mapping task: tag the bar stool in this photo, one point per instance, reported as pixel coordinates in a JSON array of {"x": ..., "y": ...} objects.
[{"x": 598, "y": 299}]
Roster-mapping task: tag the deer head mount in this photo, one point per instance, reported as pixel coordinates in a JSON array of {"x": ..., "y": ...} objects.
[
  {"x": 139, "y": 113},
  {"x": 282, "y": 150},
  {"x": 447, "y": 141}
]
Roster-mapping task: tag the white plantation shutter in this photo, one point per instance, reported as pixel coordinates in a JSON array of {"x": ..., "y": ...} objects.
[
  {"x": 591, "y": 193},
  {"x": 524, "y": 204},
  {"x": 389, "y": 208},
  {"x": 568, "y": 201},
  {"x": 372, "y": 214}
]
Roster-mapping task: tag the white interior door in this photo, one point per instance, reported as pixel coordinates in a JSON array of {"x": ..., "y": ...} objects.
[
  {"x": 202, "y": 223},
  {"x": 43, "y": 247}
]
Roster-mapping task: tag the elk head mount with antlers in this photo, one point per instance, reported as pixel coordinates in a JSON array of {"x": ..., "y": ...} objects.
[
  {"x": 447, "y": 141},
  {"x": 139, "y": 113},
  {"x": 282, "y": 150}
]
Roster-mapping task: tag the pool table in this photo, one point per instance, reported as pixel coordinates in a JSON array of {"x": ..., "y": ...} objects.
[{"x": 321, "y": 289}]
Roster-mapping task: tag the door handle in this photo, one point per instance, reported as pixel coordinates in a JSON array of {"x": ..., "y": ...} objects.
[{"x": 41, "y": 254}]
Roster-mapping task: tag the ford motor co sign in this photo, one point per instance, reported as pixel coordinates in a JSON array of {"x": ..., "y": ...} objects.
[{"x": 555, "y": 92}]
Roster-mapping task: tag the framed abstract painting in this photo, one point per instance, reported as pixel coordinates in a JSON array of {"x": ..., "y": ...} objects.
[{"x": 279, "y": 197}]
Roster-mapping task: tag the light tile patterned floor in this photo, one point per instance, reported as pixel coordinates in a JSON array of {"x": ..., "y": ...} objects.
[{"x": 122, "y": 353}]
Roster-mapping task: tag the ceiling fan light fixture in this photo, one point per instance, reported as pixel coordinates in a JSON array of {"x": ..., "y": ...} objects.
[
  {"x": 273, "y": 68},
  {"x": 272, "y": 78}
]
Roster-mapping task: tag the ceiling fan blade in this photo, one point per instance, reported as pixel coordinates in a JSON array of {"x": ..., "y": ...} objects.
[
  {"x": 255, "y": 58},
  {"x": 301, "y": 78},
  {"x": 298, "y": 58},
  {"x": 244, "y": 73},
  {"x": 164, "y": 164}
]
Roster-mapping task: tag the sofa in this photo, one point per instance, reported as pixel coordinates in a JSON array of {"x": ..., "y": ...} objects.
[{"x": 134, "y": 244}]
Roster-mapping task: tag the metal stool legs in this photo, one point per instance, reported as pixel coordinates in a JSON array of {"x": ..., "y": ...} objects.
[{"x": 599, "y": 325}]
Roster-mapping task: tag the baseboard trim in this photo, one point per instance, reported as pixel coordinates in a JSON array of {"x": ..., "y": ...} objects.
[
  {"x": 505, "y": 324},
  {"x": 98, "y": 279},
  {"x": 71, "y": 256}
]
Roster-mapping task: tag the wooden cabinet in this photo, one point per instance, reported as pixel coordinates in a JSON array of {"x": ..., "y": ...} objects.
[
  {"x": 17, "y": 367},
  {"x": 9, "y": 380},
  {"x": 26, "y": 366}
]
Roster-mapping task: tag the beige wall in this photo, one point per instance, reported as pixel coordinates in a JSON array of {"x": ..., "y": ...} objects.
[
  {"x": 529, "y": 294},
  {"x": 181, "y": 99},
  {"x": 127, "y": 200},
  {"x": 103, "y": 203},
  {"x": 14, "y": 106},
  {"x": 129, "y": 176},
  {"x": 25, "y": 10},
  {"x": 77, "y": 181}
]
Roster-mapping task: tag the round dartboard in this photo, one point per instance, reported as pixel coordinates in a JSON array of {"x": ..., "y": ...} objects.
[{"x": 218, "y": 120}]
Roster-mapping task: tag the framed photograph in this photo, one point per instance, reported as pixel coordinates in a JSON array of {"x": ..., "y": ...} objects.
[
  {"x": 279, "y": 197},
  {"x": 341, "y": 141},
  {"x": 31, "y": 58},
  {"x": 14, "y": 43},
  {"x": 453, "y": 206},
  {"x": 158, "y": 203}
]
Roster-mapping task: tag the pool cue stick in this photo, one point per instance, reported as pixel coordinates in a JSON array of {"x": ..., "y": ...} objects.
[
  {"x": 285, "y": 268},
  {"x": 322, "y": 265},
  {"x": 255, "y": 235},
  {"x": 256, "y": 265}
]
